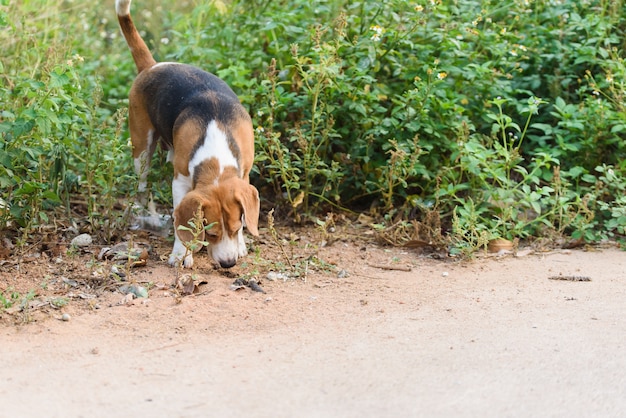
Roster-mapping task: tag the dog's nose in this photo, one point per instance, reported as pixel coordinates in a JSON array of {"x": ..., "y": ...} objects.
[{"x": 226, "y": 264}]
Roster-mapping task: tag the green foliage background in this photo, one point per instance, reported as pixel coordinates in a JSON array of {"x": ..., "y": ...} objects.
[{"x": 506, "y": 119}]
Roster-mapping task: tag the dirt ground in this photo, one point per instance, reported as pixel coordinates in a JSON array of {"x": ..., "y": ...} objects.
[{"x": 363, "y": 331}]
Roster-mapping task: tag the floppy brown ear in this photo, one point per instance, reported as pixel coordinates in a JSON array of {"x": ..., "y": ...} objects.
[
  {"x": 184, "y": 213},
  {"x": 249, "y": 200}
]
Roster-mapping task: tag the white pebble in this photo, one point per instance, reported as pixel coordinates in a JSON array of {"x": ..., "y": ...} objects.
[
  {"x": 83, "y": 240},
  {"x": 444, "y": 274},
  {"x": 272, "y": 276},
  {"x": 65, "y": 317}
]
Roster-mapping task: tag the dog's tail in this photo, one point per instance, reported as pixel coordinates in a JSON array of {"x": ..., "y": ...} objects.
[{"x": 141, "y": 54}]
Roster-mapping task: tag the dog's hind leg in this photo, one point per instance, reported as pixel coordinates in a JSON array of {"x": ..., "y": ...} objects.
[
  {"x": 142, "y": 168},
  {"x": 144, "y": 142}
]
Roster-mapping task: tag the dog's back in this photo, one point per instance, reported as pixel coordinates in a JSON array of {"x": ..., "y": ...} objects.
[
  {"x": 173, "y": 93},
  {"x": 177, "y": 92}
]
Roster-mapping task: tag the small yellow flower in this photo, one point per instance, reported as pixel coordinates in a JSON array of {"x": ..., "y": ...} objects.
[
  {"x": 442, "y": 75},
  {"x": 220, "y": 6},
  {"x": 419, "y": 8}
]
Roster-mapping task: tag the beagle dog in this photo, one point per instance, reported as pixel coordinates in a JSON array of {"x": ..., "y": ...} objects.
[{"x": 210, "y": 140}]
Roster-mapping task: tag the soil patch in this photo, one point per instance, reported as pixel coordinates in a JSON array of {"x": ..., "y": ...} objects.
[{"x": 360, "y": 330}]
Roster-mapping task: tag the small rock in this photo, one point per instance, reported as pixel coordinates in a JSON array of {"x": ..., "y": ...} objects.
[
  {"x": 70, "y": 282},
  {"x": 159, "y": 224},
  {"x": 343, "y": 274},
  {"x": 523, "y": 253},
  {"x": 128, "y": 299},
  {"x": 445, "y": 274},
  {"x": 83, "y": 240},
  {"x": 65, "y": 317},
  {"x": 116, "y": 271},
  {"x": 273, "y": 275},
  {"x": 7, "y": 243},
  {"x": 134, "y": 290},
  {"x": 139, "y": 291},
  {"x": 134, "y": 255}
]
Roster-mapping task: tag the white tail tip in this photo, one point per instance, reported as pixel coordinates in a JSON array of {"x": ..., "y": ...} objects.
[{"x": 122, "y": 7}]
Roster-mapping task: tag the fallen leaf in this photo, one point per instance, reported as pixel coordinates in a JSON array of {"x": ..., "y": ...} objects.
[
  {"x": 137, "y": 254},
  {"x": 188, "y": 285},
  {"x": 252, "y": 284}
]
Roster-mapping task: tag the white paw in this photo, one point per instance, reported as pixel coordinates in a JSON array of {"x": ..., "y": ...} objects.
[
  {"x": 242, "y": 249},
  {"x": 180, "y": 253},
  {"x": 175, "y": 260}
]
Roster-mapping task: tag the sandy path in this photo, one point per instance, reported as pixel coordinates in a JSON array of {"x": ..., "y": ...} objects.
[{"x": 492, "y": 338}]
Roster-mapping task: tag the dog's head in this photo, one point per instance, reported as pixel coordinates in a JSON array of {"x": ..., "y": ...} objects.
[{"x": 226, "y": 207}]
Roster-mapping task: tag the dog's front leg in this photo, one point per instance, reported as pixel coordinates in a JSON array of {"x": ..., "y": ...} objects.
[
  {"x": 241, "y": 243},
  {"x": 181, "y": 185}
]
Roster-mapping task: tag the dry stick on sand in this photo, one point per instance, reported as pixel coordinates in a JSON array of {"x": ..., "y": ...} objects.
[
  {"x": 571, "y": 278},
  {"x": 389, "y": 267}
]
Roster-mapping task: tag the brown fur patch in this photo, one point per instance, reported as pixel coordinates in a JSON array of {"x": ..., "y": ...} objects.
[
  {"x": 186, "y": 137},
  {"x": 139, "y": 124},
  {"x": 244, "y": 137}
]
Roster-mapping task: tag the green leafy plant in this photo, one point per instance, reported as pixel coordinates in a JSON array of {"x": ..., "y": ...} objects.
[
  {"x": 8, "y": 298},
  {"x": 197, "y": 228},
  {"x": 356, "y": 105}
]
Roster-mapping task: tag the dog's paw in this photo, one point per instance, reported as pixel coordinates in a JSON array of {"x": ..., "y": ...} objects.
[
  {"x": 242, "y": 250},
  {"x": 178, "y": 260}
]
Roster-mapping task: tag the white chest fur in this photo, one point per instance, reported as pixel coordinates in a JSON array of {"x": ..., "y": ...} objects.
[{"x": 215, "y": 146}]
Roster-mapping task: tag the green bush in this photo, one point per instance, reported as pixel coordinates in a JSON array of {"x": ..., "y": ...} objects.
[{"x": 396, "y": 108}]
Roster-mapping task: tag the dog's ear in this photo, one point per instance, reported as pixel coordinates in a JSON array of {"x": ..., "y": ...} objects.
[
  {"x": 184, "y": 215},
  {"x": 248, "y": 198}
]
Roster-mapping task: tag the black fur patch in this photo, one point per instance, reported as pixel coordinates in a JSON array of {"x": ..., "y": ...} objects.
[{"x": 175, "y": 93}]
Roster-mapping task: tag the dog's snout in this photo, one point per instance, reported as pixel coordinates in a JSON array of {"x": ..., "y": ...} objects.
[{"x": 226, "y": 264}]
